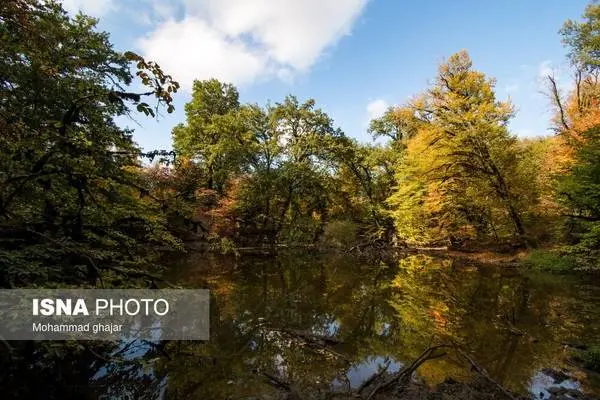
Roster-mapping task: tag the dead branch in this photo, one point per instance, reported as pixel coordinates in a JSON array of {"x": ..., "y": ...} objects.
[
  {"x": 406, "y": 373},
  {"x": 481, "y": 371},
  {"x": 321, "y": 342},
  {"x": 555, "y": 95},
  {"x": 374, "y": 377}
]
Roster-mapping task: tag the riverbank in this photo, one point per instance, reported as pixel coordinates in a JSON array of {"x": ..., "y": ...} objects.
[{"x": 513, "y": 257}]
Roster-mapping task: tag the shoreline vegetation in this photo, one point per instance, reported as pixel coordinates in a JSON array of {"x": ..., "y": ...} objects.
[
  {"x": 542, "y": 259},
  {"x": 81, "y": 205}
]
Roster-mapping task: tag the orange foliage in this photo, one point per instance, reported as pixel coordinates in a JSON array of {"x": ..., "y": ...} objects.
[
  {"x": 557, "y": 160},
  {"x": 583, "y": 112},
  {"x": 220, "y": 213}
]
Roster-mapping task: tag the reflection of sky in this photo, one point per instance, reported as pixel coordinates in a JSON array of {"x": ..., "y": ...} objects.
[
  {"x": 362, "y": 371},
  {"x": 332, "y": 328},
  {"x": 329, "y": 329},
  {"x": 385, "y": 329},
  {"x": 540, "y": 383},
  {"x": 129, "y": 349},
  {"x": 280, "y": 366}
]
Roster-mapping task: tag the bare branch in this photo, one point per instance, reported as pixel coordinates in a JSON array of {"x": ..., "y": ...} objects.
[{"x": 555, "y": 95}]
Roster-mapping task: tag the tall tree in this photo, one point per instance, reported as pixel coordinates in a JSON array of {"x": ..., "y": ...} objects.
[
  {"x": 71, "y": 206},
  {"x": 578, "y": 189},
  {"x": 461, "y": 165},
  {"x": 212, "y": 135},
  {"x": 582, "y": 38},
  {"x": 294, "y": 153}
]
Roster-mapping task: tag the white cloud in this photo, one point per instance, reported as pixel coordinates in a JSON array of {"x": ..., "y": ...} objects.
[
  {"x": 377, "y": 108},
  {"x": 293, "y": 32},
  {"x": 191, "y": 49},
  {"x": 96, "y": 8},
  {"x": 243, "y": 40}
]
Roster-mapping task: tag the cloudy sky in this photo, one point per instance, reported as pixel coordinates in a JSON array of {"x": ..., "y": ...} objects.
[{"x": 355, "y": 57}]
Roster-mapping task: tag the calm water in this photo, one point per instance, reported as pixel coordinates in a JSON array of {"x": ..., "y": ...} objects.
[{"x": 514, "y": 324}]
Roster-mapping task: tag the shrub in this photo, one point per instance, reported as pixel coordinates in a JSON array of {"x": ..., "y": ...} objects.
[{"x": 549, "y": 260}]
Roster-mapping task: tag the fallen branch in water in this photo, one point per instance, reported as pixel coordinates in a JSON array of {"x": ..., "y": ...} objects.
[
  {"x": 481, "y": 371},
  {"x": 393, "y": 385},
  {"x": 319, "y": 341},
  {"x": 282, "y": 385},
  {"x": 406, "y": 373},
  {"x": 374, "y": 377}
]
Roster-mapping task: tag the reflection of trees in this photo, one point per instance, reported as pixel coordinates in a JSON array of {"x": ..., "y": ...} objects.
[
  {"x": 331, "y": 296},
  {"x": 264, "y": 309},
  {"x": 512, "y": 326}
]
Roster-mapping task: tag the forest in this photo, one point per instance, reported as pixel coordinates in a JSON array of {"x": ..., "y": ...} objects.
[
  {"x": 82, "y": 205},
  {"x": 81, "y": 202}
]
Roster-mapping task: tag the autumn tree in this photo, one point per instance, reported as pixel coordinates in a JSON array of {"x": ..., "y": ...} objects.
[
  {"x": 268, "y": 165},
  {"x": 577, "y": 109},
  {"x": 290, "y": 169},
  {"x": 577, "y": 187},
  {"x": 458, "y": 177}
]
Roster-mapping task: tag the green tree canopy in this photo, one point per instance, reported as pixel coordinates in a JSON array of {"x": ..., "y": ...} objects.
[{"x": 70, "y": 195}]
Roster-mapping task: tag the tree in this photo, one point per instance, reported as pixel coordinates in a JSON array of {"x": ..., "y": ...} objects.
[
  {"x": 578, "y": 111},
  {"x": 213, "y": 136},
  {"x": 582, "y": 39},
  {"x": 269, "y": 166},
  {"x": 456, "y": 176},
  {"x": 285, "y": 196},
  {"x": 579, "y": 192},
  {"x": 576, "y": 184},
  {"x": 398, "y": 124},
  {"x": 72, "y": 204},
  {"x": 74, "y": 207},
  {"x": 362, "y": 183}
]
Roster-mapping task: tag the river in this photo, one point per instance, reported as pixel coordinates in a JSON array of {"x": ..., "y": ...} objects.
[{"x": 264, "y": 310}]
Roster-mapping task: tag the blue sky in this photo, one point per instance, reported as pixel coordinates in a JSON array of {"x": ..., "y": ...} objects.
[{"x": 355, "y": 57}]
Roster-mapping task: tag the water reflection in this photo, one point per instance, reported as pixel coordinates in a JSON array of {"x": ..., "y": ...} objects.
[
  {"x": 362, "y": 371},
  {"x": 331, "y": 321},
  {"x": 541, "y": 384}
]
